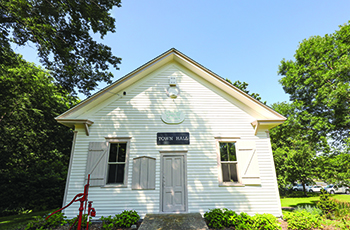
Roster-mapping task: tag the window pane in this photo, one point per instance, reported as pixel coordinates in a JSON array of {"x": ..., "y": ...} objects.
[
  {"x": 113, "y": 152},
  {"x": 229, "y": 172},
  {"x": 121, "y": 152},
  {"x": 228, "y": 151},
  {"x": 117, "y": 152},
  {"x": 116, "y": 173}
]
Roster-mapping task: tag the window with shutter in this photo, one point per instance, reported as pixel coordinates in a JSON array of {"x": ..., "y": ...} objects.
[
  {"x": 107, "y": 162},
  {"x": 143, "y": 174},
  {"x": 237, "y": 162}
]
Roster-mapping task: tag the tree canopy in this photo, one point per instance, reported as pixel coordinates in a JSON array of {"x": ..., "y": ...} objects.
[
  {"x": 34, "y": 148},
  {"x": 295, "y": 145},
  {"x": 319, "y": 77},
  {"x": 60, "y": 30}
]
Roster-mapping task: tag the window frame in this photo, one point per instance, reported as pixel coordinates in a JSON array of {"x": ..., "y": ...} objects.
[
  {"x": 219, "y": 164},
  {"x": 118, "y": 140}
]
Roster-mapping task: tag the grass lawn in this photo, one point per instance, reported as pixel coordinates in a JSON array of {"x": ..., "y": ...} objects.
[
  {"x": 15, "y": 221},
  {"x": 302, "y": 201},
  {"x": 342, "y": 197}
]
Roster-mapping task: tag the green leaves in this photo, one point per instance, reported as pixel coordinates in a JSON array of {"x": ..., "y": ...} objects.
[
  {"x": 60, "y": 31},
  {"x": 320, "y": 78},
  {"x": 34, "y": 148}
]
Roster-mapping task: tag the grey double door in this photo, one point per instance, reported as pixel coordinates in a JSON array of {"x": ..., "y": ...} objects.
[{"x": 173, "y": 184}]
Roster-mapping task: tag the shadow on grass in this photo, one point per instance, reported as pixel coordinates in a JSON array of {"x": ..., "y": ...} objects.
[{"x": 21, "y": 220}]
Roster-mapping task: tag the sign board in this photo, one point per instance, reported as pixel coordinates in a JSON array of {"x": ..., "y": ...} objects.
[{"x": 173, "y": 138}]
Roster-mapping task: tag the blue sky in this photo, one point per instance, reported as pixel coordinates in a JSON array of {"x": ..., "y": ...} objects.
[{"x": 239, "y": 40}]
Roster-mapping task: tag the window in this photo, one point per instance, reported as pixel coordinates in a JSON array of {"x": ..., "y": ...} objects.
[
  {"x": 107, "y": 162},
  {"x": 116, "y": 163},
  {"x": 228, "y": 160},
  {"x": 238, "y": 163}
]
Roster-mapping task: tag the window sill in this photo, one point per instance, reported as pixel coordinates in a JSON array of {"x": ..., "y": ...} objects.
[
  {"x": 231, "y": 185},
  {"x": 143, "y": 189},
  {"x": 114, "y": 186}
]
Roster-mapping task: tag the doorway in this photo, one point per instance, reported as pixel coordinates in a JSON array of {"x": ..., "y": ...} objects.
[{"x": 173, "y": 197}]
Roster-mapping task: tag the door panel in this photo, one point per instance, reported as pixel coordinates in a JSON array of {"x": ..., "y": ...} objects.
[{"x": 173, "y": 197}]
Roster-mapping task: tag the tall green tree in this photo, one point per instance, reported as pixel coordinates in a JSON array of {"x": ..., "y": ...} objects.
[
  {"x": 34, "y": 148},
  {"x": 320, "y": 78},
  {"x": 295, "y": 145},
  {"x": 61, "y": 32}
]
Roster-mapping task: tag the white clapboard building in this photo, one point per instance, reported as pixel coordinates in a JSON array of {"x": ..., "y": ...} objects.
[{"x": 172, "y": 136}]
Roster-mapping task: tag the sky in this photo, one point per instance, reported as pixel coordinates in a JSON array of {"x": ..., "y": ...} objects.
[{"x": 238, "y": 40}]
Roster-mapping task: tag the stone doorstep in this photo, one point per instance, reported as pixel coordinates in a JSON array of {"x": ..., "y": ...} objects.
[{"x": 182, "y": 221}]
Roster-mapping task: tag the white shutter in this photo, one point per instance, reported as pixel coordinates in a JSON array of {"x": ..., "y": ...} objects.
[
  {"x": 97, "y": 163},
  {"x": 248, "y": 162},
  {"x": 143, "y": 173}
]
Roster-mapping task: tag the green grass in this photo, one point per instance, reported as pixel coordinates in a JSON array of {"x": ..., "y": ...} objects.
[
  {"x": 18, "y": 221},
  {"x": 302, "y": 201},
  {"x": 299, "y": 201},
  {"x": 342, "y": 197}
]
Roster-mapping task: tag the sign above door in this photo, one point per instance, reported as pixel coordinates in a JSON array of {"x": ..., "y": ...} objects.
[{"x": 173, "y": 138}]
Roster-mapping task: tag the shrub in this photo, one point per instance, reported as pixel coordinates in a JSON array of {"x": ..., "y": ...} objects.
[
  {"x": 83, "y": 221},
  {"x": 216, "y": 218},
  {"x": 302, "y": 220},
  {"x": 343, "y": 208},
  {"x": 327, "y": 205},
  {"x": 107, "y": 223},
  {"x": 224, "y": 218},
  {"x": 243, "y": 221},
  {"x": 310, "y": 209},
  {"x": 56, "y": 220},
  {"x": 265, "y": 222},
  {"x": 122, "y": 220},
  {"x": 127, "y": 218}
]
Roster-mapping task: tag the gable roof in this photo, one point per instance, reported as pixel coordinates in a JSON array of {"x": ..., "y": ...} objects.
[{"x": 269, "y": 117}]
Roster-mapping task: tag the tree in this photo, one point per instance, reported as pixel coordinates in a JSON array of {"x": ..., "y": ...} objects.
[
  {"x": 34, "y": 148},
  {"x": 295, "y": 145},
  {"x": 244, "y": 87},
  {"x": 320, "y": 78},
  {"x": 60, "y": 30}
]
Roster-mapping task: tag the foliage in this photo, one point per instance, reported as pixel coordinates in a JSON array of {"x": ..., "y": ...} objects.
[
  {"x": 122, "y": 220},
  {"x": 265, "y": 222},
  {"x": 74, "y": 222},
  {"x": 244, "y": 87},
  {"x": 327, "y": 205},
  {"x": 224, "y": 218},
  {"x": 60, "y": 30},
  {"x": 310, "y": 209},
  {"x": 241, "y": 222},
  {"x": 217, "y": 218},
  {"x": 56, "y": 220},
  {"x": 335, "y": 167},
  {"x": 319, "y": 77},
  {"x": 34, "y": 148},
  {"x": 295, "y": 145},
  {"x": 302, "y": 220},
  {"x": 108, "y": 222}
]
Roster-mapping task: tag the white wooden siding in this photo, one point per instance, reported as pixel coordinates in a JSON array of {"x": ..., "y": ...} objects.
[{"x": 209, "y": 113}]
